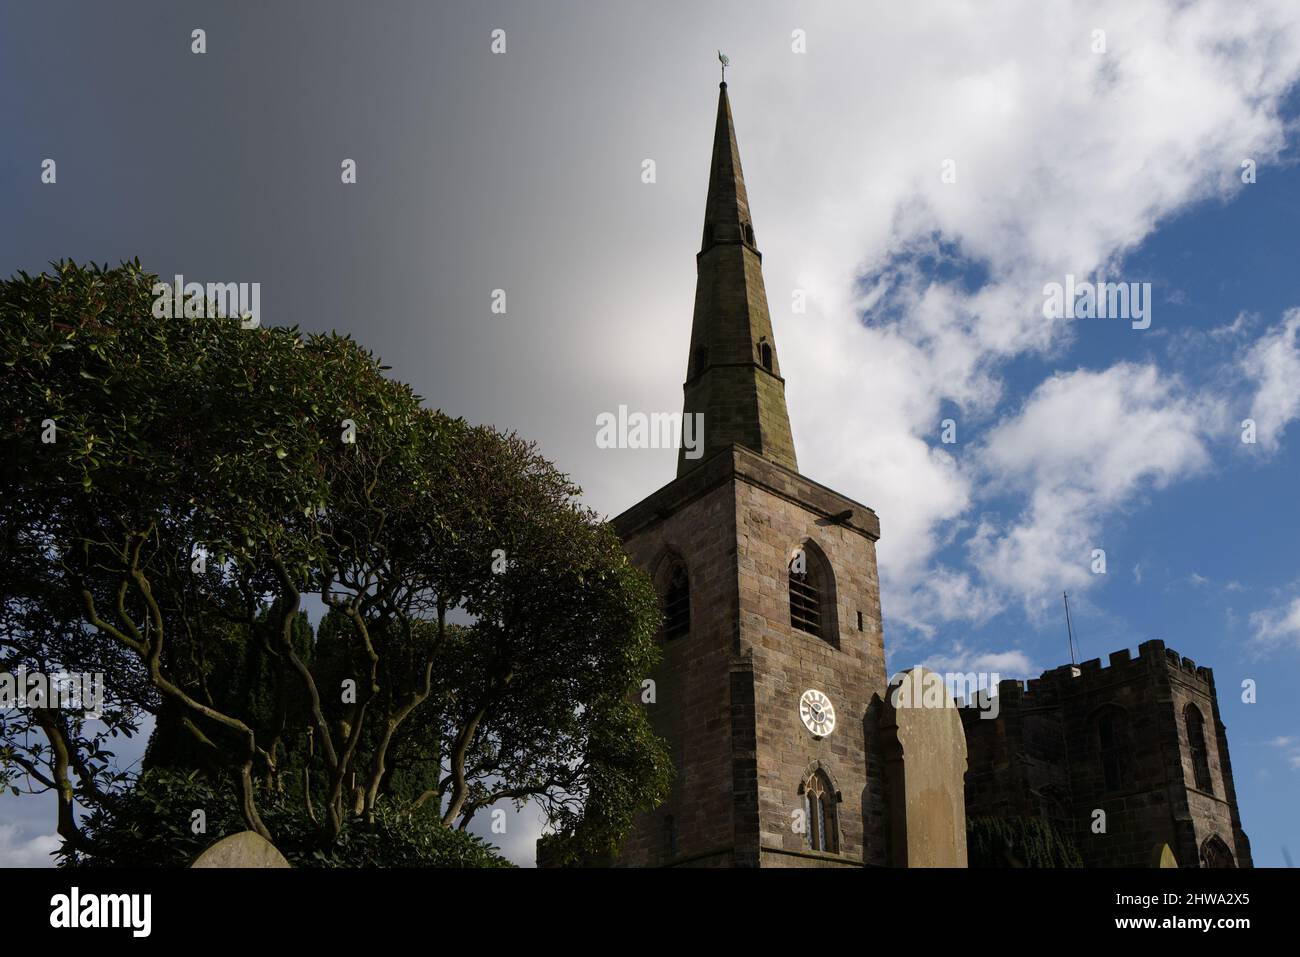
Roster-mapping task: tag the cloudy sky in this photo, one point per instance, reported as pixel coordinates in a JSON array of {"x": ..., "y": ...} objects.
[{"x": 918, "y": 172}]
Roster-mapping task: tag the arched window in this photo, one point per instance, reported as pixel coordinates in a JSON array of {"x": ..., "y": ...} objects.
[
  {"x": 765, "y": 354},
  {"x": 812, "y": 594},
  {"x": 1196, "y": 744},
  {"x": 1215, "y": 853},
  {"x": 670, "y": 837},
  {"x": 1113, "y": 747},
  {"x": 820, "y": 815},
  {"x": 677, "y": 603},
  {"x": 701, "y": 358}
]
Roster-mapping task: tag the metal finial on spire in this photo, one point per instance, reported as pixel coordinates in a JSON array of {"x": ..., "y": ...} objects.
[{"x": 722, "y": 58}]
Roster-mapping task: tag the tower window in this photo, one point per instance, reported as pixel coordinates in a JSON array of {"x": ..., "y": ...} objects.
[
  {"x": 1196, "y": 745},
  {"x": 1112, "y": 748},
  {"x": 806, "y": 593},
  {"x": 701, "y": 358},
  {"x": 765, "y": 354},
  {"x": 670, "y": 837},
  {"x": 821, "y": 822},
  {"x": 677, "y": 603},
  {"x": 1215, "y": 853}
]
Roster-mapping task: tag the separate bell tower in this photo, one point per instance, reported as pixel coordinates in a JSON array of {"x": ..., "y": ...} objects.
[{"x": 773, "y": 655}]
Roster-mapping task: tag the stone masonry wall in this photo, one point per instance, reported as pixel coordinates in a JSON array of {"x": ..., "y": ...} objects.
[
  {"x": 693, "y": 688},
  {"x": 728, "y": 692},
  {"x": 787, "y": 662},
  {"x": 1013, "y": 770}
]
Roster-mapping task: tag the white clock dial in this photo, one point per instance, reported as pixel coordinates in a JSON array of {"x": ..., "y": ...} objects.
[{"x": 817, "y": 712}]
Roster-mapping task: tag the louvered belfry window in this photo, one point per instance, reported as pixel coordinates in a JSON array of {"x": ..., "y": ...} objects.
[
  {"x": 677, "y": 604},
  {"x": 805, "y": 595}
]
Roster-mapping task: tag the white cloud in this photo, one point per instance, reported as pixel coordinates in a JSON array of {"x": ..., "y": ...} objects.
[
  {"x": 1273, "y": 367},
  {"x": 1005, "y": 664},
  {"x": 1277, "y": 626},
  {"x": 1233, "y": 329},
  {"x": 947, "y": 595},
  {"x": 1100, "y": 433},
  {"x": 19, "y": 851},
  {"x": 1292, "y": 746},
  {"x": 1085, "y": 446},
  {"x": 1066, "y": 160}
]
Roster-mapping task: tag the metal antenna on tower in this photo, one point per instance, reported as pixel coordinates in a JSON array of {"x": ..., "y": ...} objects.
[{"x": 1069, "y": 628}]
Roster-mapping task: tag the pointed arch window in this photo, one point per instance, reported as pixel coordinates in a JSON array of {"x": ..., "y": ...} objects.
[
  {"x": 670, "y": 838},
  {"x": 812, "y": 597},
  {"x": 701, "y": 358},
  {"x": 820, "y": 814},
  {"x": 1113, "y": 748},
  {"x": 1215, "y": 853},
  {"x": 765, "y": 354},
  {"x": 1196, "y": 745},
  {"x": 677, "y": 602}
]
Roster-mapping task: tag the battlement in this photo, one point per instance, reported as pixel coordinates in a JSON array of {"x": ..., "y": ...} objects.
[
  {"x": 1122, "y": 663},
  {"x": 1050, "y": 687}
]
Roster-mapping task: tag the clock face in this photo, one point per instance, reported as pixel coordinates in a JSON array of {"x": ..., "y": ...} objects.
[{"x": 817, "y": 712}]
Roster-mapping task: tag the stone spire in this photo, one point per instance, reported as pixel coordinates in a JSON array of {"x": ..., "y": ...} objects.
[{"x": 733, "y": 376}]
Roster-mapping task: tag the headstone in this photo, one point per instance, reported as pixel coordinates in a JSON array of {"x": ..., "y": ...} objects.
[
  {"x": 925, "y": 765},
  {"x": 245, "y": 849}
]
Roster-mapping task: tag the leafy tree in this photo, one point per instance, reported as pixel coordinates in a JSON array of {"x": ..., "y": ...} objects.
[
  {"x": 179, "y": 487},
  {"x": 42, "y": 632},
  {"x": 150, "y": 826}
]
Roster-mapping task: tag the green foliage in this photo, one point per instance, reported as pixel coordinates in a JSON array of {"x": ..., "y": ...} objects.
[
  {"x": 239, "y": 674},
  {"x": 1018, "y": 842},
  {"x": 181, "y": 436},
  {"x": 629, "y": 772},
  {"x": 150, "y": 826}
]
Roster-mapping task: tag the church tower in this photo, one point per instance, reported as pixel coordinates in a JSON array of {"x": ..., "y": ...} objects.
[{"x": 773, "y": 654}]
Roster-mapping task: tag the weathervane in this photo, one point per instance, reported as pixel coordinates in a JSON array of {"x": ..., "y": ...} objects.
[{"x": 722, "y": 58}]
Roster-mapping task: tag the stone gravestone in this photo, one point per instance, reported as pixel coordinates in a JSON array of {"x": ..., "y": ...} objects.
[
  {"x": 925, "y": 766},
  {"x": 245, "y": 849}
]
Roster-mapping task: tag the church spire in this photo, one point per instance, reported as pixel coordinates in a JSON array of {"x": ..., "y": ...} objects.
[
  {"x": 733, "y": 377},
  {"x": 726, "y": 210}
]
